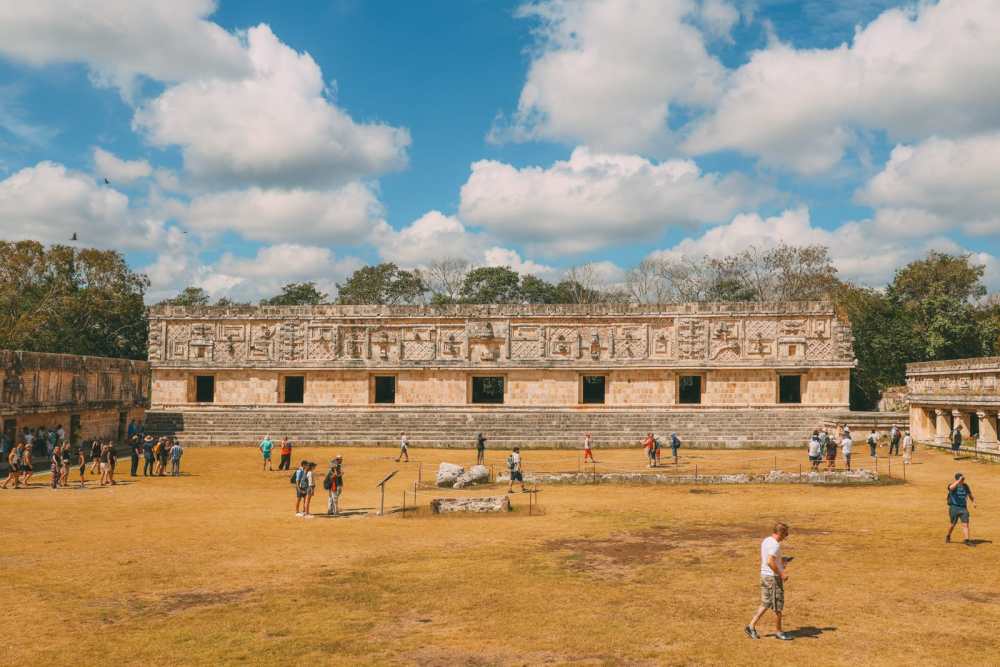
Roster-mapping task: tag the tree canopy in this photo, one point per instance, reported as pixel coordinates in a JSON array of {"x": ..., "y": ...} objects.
[
  {"x": 297, "y": 294},
  {"x": 382, "y": 284}
]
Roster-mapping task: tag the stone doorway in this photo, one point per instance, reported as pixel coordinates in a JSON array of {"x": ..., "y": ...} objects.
[{"x": 487, "y": 389}]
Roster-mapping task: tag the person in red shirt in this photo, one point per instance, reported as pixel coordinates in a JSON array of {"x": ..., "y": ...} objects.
[
  {"x": 286, "y": 454},
  {"x": 650, "y": 445}
]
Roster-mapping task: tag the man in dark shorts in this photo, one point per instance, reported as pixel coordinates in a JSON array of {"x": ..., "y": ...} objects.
[
  {"x": 956, "y": 440},
  {"x": 480, "y": 449},
  {"x": 959, "y": 494},
  {"x": 831, "y": 452},
  {"x": 147, "y": 456},
  {"x": 514, "y": 467}
]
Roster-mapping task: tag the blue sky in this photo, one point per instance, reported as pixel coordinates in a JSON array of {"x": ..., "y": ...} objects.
[{"x": 251, "y": 144}]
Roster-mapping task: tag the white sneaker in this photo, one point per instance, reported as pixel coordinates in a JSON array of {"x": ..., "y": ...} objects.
[
  {"x": 310, "y": 516},
  {"x": 298, "y": 514}
]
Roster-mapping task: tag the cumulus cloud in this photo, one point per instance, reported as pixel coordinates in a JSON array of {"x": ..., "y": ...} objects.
[
  {"x": 274, "y": 127},
  {"x": 940, "y": 183},
  {"x": 345, "y": 215},
  {"x": 120, "y": 40},
  {"x": 597, "y": 199},
  {"x": 114, "y": 168},
  {"x": 497, "y": 256},
  {"x": 912, "y": 72},
  {"x": 606, "y": 72},
  {"x": 50, "y": 203}
]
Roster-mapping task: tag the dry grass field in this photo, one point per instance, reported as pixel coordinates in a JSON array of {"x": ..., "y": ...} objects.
[{"x": 214, "y": 568}]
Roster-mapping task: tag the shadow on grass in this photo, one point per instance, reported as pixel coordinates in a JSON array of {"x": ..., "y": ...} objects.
[
  {"x": 809, "y": 632},
  {"x": 976, "y": 543}
]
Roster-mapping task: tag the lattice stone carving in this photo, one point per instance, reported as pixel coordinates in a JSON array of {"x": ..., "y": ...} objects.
[
  {"x": 354, "y": 342},
  {"x": 178, "y": 336},
  {"x": 527, "y": 342},
  {"x": 419, "y": 344},
  {"x": 630, "y": 342},
  {"x": 322, "y": 342},
  {"x": 845, "y": 343},
  {"x": 692, "y": 339},
  {"x": 760, "y": 338},
  {"x": 563, "y": 342},
  {"x": 451, "y": 343}
]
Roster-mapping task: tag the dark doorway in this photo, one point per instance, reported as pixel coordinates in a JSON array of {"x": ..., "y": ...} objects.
[
  {"x": 74, "y": 430},
  {"x": 295, "y": 388},
  {"x": 487, "y": 390},
  {"x": 790, "y": 389},
  {"x": 10, "y": 435},
  {"x": 204, "y": 389},
  {"x": 974, "y": 425},
  {"x": 122, "y": 426},
  {"x": 689, "y": 389},
  {"x": 593, "y": 389},
  {"x": 385, "y": 389}
]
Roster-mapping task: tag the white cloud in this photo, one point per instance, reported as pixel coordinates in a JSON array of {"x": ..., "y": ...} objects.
[
  {"x": 718, "y": 17},
  {"x": 606, "y": 72},
  {"x": 276, "y": 126},
  {"x": 913, "y": 72},
  {"x": 596, "y": 199},
  {"x": 497, "y": 256},
  {"x": 122, "y": 39},
  {"x": 117, "y": 170},
  {"x": 347, "y": 215},
  {"x": 49, "y": 203},
  {"x": 941, "y": 183}
]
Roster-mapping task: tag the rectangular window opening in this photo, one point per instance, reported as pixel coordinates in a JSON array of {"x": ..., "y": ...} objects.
[
  {"x": 295, "y": 388},
  {"x": 204, "y": 389},
  {"x": 385, "y": 389},
  {"x": 593, "y": 389},
  {"x": 487, "y": 390},
  {"x": 689, "y": 389},
  {"x": 790, "y": 389}
]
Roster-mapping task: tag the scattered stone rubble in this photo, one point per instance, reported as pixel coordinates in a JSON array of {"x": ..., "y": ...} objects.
[
  {"x": 450, "y": 475},
  {"x": 479, "y": 505}
]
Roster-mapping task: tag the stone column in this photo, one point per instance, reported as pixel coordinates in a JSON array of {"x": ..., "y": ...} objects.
[
  {"x": 987, "y": 430},
  {"x": 943, "y": 433},
  {"x": 959, "y": 418}
]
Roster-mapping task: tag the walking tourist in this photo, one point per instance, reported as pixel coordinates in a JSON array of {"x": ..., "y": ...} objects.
[
  {"x": 104, "y": 459},
  {"x": 176, "y": 452},
  {"x": 286, "y": 454},
  {"x": 13, "y": 467},
  {"x": 772, "y": 582},
  {"x": 310, "y": 489},
  {"x": 588, "y": 452},
  {"x": 894, "y": 437},
  {"x": 514, "y": 467},
  {"x": 56, "y": 465},
  {"x": 831, "y": 451},
  {"x": 95, "y": 455},
  {"x": 64, "y": 464},
  {"x": 51, "y": 440},
  {"x": 297, "y": 479},
  {"x": 480, "y": 449},
  {"x": 956, "y": 440},
  {"x": 814, "y": 449},
  {"x": 332, "y": 485},
  {"x": 824, "y": 440},
  {"x": 873, "y": 444},
  {"x": 404, "y": 448},
  {"x": 675, "y": 444},
  {"x": 81, "y": 459},
  {"x": 27, "y": 465},
  {"x": 147, "y": 456},
  {"x": 907, "y": 447},
  {"x": 135, "y": 452},
  {"x": 959, "y": 494},
  {"x": 846, "y": 446},
  {"x": 265, "y": 448},
  {"x": 649, "y": 444}
]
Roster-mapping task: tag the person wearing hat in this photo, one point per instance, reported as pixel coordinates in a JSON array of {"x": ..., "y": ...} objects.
[
  {"x": 959, "y": 494},
  {"x": 147, "y": 456},
  {"x": 334, "y": 484},
  {"x": 135, "y": 451}
]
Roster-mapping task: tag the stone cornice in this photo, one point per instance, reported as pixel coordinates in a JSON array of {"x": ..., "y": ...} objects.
[{"x": 980, "y": 364}]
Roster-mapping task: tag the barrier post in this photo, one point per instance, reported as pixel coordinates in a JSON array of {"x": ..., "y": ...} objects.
[
  {"x": 404, "y": 503},
  {"x": 420, "y": 470},
  {"x": 695, "y": 473}
]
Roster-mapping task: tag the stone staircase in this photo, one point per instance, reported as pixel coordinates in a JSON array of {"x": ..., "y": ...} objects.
[{"x": 503, "y": 427}]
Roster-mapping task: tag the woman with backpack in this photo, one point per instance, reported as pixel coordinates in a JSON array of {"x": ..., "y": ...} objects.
[
  {"x": 675, "y": 444},
  {"x": 297, "y": 479},
  {"x": 333, "y": 483}
]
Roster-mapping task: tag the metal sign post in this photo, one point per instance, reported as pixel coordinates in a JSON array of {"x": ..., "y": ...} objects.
[{"x": 381, "y": 486}]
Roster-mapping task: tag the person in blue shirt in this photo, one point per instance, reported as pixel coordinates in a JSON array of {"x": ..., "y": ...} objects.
[
  {"x": 265, "y": 447},
  {"x": 959, "y": 494}
]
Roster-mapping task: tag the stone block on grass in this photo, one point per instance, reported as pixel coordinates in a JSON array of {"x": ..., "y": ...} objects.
[
  {"x": 474, "y": 505},
  {"x": 474, "y": 475},
  {"x": 448, "y": 474}
]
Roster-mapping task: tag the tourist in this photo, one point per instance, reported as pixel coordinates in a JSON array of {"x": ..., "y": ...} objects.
[
  {"x": 95, "y": 455},
  {"x": 480, "y": 449},
  {"x": 588, "y": 452},
  {"x": 64, "y": 467},
  {"x": 657, "y": 445},
  {"x": 104, "y": 459},
  {"x": 675, "y": 444},
  {"x": 956, "y": 440},
  {"x": 81, "y": 459},
  {"x": 286, "y": 454},
  {"x": 147, "y": 456},
  {"x": 332, "y": 485},
  {"x": 824, "y": 440},
  {"x": 165, "y": 455},
  {"x": 308, "y": 484},
  {"x": 27, "y": 465},
  {"x": 265, "y": 448},
  {"x": 907, "y": 447},
  {"x": 514, "y": 468},
  {"x": 51, "y": 440},
  {"x": 772, "y": 582},
  {"x": 831, "y": 452},
  {"x": 814, "y": 449},
  {"x": 404, "y": 448},
  {"x": 846, "y": 445},
  {"x": 135, "y": 452},
  {"x": 55, "y": 465},
  {"x": 61, "y": 433},
  {"x": 112, "y": 461},
  {"x": 133, "y": 430},
  {"x": 176, "y": 452},
  {"x": 13, "y": 467},
  {"x": 873, "y": 444},
  {"x": 297, "y": 480},
  {"x": 649, "y": 444},
  {"x": 959, "y": 494},
  {"x": 894, "y": 437}
]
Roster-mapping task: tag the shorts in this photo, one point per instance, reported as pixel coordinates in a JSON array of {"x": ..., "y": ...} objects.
[
  {"x": 772, "y": 593},
  {"x": 516, "y": 476},
  {"x": 958, "y": 513},
  {"x": 267, "y": 456},
  {"x": 311, "y": 491},
  {"x": 105, "y": 467},
  {"x": 815, "y": 459},
  {"x": 299, "y": 493},
  {"x": 831, "y": 456}
]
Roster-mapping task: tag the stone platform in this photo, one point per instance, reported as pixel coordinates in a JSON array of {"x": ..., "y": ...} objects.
[
  {"x": 548, "y": 428},
  {"x": 773, "y": 477}
]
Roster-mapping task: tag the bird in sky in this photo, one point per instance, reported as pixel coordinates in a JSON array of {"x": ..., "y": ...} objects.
[
  {"x": 106, "y": 181},
  {"x": 73, "y": 238}
]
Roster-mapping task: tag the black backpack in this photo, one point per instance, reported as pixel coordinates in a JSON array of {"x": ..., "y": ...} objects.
[
  {"x": 328, "y": 481},
  {"x": 292, "y": 478}
]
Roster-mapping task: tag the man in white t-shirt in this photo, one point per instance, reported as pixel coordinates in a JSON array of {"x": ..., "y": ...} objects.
[
  {"x": 772, "y": 580},
  {"x": 846, "y": 445},
  {"x": 404, "y": 448}
]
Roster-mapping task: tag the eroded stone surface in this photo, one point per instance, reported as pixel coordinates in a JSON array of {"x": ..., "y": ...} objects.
[
  {"x": 474, "y": 475},
  {"x": 484, "y": 504},
  {"x": 448, "y": 474},
  {"x": 774, "y": 477}
]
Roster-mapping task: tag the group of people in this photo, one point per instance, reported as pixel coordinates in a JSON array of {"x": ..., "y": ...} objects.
[
  {"x": 823, "y": 447},
  {"x": 304, "y": 480},
  {"x": 156, "y": 454},
  {"x": 285, "y": 450},
  {"x": 652, "y": 444}
]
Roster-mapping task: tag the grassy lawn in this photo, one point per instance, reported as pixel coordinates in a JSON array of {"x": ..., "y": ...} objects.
[{"x": 213, "y": 567}]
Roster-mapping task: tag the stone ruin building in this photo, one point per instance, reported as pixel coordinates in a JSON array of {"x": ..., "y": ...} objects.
[{"x": 956, "y": 392}]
